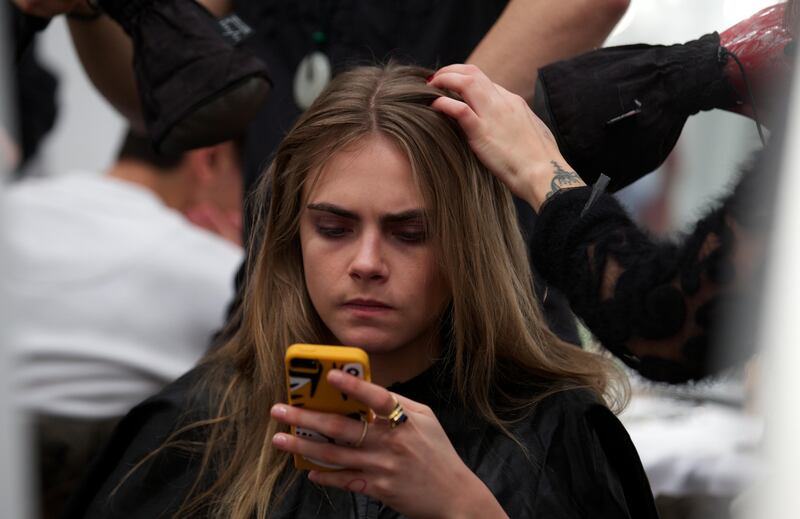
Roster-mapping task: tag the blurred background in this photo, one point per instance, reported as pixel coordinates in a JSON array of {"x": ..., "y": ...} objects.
[
  {"x": 15, "y": 496},
  {"x": 701, "y": 443}
]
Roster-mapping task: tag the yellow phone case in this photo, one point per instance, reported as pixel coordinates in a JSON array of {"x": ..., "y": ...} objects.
[{"x": 307, "y": 366}]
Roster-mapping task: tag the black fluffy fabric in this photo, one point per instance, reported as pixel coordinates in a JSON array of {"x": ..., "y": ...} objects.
[{"x": 656, "y": 283}]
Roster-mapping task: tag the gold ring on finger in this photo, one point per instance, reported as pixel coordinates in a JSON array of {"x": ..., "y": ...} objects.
[
  {"x": 363, "y": 434},
  {"x": 396, "y": 416}
]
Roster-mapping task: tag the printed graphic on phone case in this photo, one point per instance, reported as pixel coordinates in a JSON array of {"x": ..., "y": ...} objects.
[
  {"x": 306, "y": 371},
  {"x": 304, "y": 377}
]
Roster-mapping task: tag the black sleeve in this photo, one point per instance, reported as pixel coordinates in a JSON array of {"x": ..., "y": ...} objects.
[
  {"x": 154, "y": 489},
  {"x": 655, "y": 305}
]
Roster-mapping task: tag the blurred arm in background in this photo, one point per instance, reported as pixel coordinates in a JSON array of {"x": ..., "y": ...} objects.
[
  {"x": 532, "y": 33},
  {"x": 546, "y": 31}
]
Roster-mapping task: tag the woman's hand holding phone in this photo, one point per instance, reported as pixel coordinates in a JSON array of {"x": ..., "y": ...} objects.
[{"x": 412, "y": 467}]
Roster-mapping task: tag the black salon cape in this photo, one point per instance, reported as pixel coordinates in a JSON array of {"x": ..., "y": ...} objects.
[{"x": 582, "y": 462}]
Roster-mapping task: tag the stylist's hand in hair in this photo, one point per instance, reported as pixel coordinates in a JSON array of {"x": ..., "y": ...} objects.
[
  {"x": 412, "y": 468},
  {"x": 505, "y": 134}
]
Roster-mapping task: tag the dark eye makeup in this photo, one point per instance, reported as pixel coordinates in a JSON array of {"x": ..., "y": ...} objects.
[
  {"x": 406, "y": 228},
  {"x": 331, "y": 226},
  {"x": 332, "y": 232},
  {"x": 409, "y": 232}
]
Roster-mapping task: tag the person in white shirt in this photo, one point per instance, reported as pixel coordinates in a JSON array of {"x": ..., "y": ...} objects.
[{"x": 113, "y": 286}]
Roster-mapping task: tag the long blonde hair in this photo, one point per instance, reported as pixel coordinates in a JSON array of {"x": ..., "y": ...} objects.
[{"x": 498, "y": 341}]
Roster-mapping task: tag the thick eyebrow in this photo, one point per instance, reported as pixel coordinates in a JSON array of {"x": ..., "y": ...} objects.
[
  {"x": 405, "y": 216},
  {"x": 413, "y": 214},
  {"x": 335, "y": 209}
]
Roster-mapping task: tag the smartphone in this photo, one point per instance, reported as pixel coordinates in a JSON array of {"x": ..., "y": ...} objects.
[{"x": 307, "y": 367}]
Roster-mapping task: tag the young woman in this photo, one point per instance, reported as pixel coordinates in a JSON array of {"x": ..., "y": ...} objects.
[{"x": 386, "y": 232}]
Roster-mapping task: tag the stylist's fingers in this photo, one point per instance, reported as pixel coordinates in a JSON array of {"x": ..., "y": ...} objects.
[
  {"x": 488, "y": 101},
  {"x": 475, "y": 87},
  {"x": 464, "y": 69},
  {"x": 461, "y": 112}
]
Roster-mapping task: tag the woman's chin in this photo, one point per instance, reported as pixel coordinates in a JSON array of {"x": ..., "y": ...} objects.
[{"x": 371, "y": 343}]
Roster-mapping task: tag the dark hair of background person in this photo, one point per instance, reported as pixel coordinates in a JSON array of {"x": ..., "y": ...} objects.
[{"x": 138, "y": 147}]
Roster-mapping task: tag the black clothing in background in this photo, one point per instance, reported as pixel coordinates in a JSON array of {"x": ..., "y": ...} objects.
[
  {"x": 582, "y": 463},
  {"x": 34, "y": 86},
  {"x": 430, "y": 33}
]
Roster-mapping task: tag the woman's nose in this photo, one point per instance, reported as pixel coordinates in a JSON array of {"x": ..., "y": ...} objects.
[{"x": 368, "y": 262}]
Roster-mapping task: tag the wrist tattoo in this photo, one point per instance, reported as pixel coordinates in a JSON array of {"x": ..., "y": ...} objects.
[{"x": 562, "y": 179}]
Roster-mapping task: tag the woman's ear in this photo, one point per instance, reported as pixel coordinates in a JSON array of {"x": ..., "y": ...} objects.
[
  {"x": 218, "y": 164},
  {"x": 216, "y": 175},
  {"x": 223, "y": 160},
  {"x": 214, "y": 180}
]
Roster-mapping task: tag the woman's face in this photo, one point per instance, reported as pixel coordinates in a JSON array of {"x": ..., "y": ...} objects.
[{"x": 369, "y": 267}]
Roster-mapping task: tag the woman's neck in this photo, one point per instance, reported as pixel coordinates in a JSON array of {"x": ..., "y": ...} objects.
[{"x": 404, "y": 363}]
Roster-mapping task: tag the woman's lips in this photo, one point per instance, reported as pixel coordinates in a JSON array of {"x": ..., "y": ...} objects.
[{"x": 366, "y": 307}]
